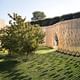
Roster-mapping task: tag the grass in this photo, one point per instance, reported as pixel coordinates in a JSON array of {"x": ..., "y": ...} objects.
[
  {"x": 44, "y": 50},
  {"x": 51, "y": 66}
]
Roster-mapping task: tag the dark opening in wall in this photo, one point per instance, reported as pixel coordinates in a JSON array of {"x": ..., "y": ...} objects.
[{"x": 56, "y": 40}]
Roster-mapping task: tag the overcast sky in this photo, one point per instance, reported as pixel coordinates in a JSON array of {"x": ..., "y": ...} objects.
[{"x": 51, "y": 8}]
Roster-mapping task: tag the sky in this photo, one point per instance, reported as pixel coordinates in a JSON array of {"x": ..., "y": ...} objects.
[{"x": 51, "y": 8}]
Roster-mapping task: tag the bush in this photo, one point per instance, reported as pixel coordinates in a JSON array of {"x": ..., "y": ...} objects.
[
  {"x": 66, "y": 17},
  {"x": 76, "y": 15},
  {"x": 21, "y": 37}
]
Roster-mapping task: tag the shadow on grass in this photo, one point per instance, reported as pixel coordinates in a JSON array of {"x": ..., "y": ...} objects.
[
  {"x": 43, "y": 48},
  {"x": 10, "y": 72}
]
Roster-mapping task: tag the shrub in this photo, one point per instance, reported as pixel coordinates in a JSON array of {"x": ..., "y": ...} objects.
[
  {"x": 76, "y": 15},
  {"x": 21, "y": 37},
  {"x": 66, "y": 17}
]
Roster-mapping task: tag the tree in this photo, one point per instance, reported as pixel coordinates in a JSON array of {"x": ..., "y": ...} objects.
[
  {"x": 21, "y": 37},
  {"x": 38, "y": 15}
]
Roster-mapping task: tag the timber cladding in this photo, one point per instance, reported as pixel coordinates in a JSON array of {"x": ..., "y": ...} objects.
[{"x": 67, "y": 33}]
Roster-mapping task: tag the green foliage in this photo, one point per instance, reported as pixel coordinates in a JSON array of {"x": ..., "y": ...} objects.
[
  {"x": 66, "y": 17},
  {"x": 51, "y": 21},
  {"x": 46, "y": 22},
  {"x": 76, "y": 15},
  {"x": 21, "y": 37},
  {"x": 38, "y": 15}
]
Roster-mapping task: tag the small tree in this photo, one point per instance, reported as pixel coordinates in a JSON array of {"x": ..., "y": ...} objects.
[
  {"x": 38, "y": 15},
  {"x": 21, "y": 37}
]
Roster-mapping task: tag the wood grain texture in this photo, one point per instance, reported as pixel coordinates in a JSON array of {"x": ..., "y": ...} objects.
[{"x": 68, "y": 33}]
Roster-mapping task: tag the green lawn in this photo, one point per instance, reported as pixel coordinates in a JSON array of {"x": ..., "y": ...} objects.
[{"x": 42, "y": 66}]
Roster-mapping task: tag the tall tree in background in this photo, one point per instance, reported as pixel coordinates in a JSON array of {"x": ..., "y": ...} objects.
[{"x": 38, "y": 15}]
